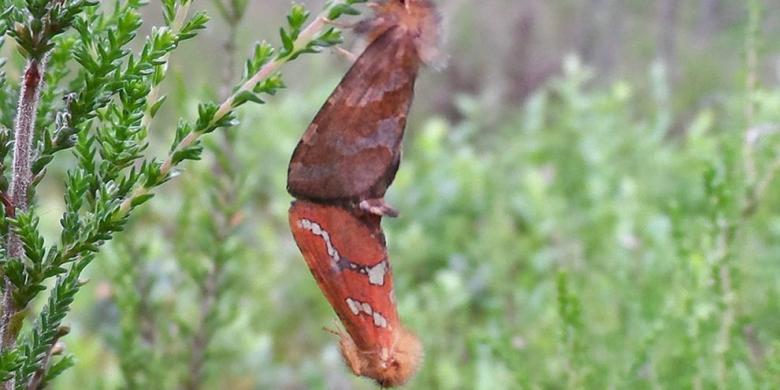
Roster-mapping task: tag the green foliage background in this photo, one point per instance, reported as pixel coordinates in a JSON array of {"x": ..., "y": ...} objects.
[{"x": 602, "y": 231}]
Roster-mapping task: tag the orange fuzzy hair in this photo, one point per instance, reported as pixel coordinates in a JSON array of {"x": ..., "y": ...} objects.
[
  {"x": 419, "y": 18},
  {"x": 389, "y": 368}
]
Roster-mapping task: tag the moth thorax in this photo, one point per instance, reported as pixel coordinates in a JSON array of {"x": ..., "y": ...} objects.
[
  {"x": 420, "y": 19},
  {"x": 389, "y": 366}
]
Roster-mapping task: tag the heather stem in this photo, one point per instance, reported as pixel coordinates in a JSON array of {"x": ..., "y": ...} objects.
[
  {"x": 210, "y": 288},
  {"x": 200, "y": 340},
  {"x": 20, "y": 187},
  {"x": 306, "y": 37},
  {"x": 37, "y": 380},
  {"x": 178, "y": 22}
]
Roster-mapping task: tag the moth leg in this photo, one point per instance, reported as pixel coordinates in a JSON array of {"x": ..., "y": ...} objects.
[
  {"x": 342, "y": 25},
  {"x": 346, "y": 54},
  {"x": 378, "y": 207},
  {"x": 334, "y": 332},
  {"x": 349, "y": 351},
  {"x": 351, "y": 354}
]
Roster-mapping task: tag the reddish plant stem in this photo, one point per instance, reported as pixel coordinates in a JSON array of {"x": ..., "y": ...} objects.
[{"x": 29, "y": 98}]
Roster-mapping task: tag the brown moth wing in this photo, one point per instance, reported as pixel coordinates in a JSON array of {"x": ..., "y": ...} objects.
[
  {"x": 347, "y": 257},
  {"x": 351, "y": 149},
  {"x": 346, "y": 254}
]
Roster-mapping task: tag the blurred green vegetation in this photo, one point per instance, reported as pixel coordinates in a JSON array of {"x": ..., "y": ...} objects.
[{"x": 566, "y": 223}]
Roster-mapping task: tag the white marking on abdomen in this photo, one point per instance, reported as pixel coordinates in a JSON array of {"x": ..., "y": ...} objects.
[
  {"x": 380, "y": 320},
  {"x": 376, "y": 274},
  {"x": 317, "y": 230},
  {"x": 354, "y": 306},
  {"x": 357, "y": 308}
]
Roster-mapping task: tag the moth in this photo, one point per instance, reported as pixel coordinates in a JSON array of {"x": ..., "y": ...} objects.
[
  {"x": 340, "y": 171},
  {"x": 350, "y": 152},
  {"x": 347, "y": 256}
]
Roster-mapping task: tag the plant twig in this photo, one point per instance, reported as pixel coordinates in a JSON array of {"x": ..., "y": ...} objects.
[
  {"x": 725, "y": 239},
  {"x": 154, "y": 92},
  {"x": 306, "y": 36},
  {"x": 755, "y": 188},
  {"x": 36, "y": 381},
  {"x": 210, "y": 288},
  {"x": 723, "y": 343},
  {"x": 751, "y": 83},
  {"x": 29, "y": 98},
  {"x": 758, "y": 191},
  {"x": 200, "y": 340},
  {"x": 229, "y": 50}
]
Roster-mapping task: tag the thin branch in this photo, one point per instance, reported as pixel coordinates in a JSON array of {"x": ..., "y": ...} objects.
[
  {"x": 37, "y": 380},
  {"x": 29, "y": 97},
  {"x": 306, "y": 37},
  {"x": 752, "y": 199},
  {"x": 229, "y": 50},
  {"x": 723, "y": 343},
  {"x": 222, "y": 9},
  {"x": 154, "y": 92},
  {"x": 200, "y": 340},
  {"x": 209, "y": 291},
  {"x": 759, "y": 190},
  {"x": 751, "y": 85}
]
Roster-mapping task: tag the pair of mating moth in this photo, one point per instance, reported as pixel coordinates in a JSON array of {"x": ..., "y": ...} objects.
[{"x": 339, "y": 173}]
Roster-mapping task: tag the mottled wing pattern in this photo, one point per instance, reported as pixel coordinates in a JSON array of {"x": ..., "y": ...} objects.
[
  {"x": 351, "y": 149},
  {"x": 347, "y": 256}
]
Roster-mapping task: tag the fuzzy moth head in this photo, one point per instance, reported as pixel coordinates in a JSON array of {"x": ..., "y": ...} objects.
[
  {"x": 389, "y": 367},
  {"x": 419, "y": 18}
]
